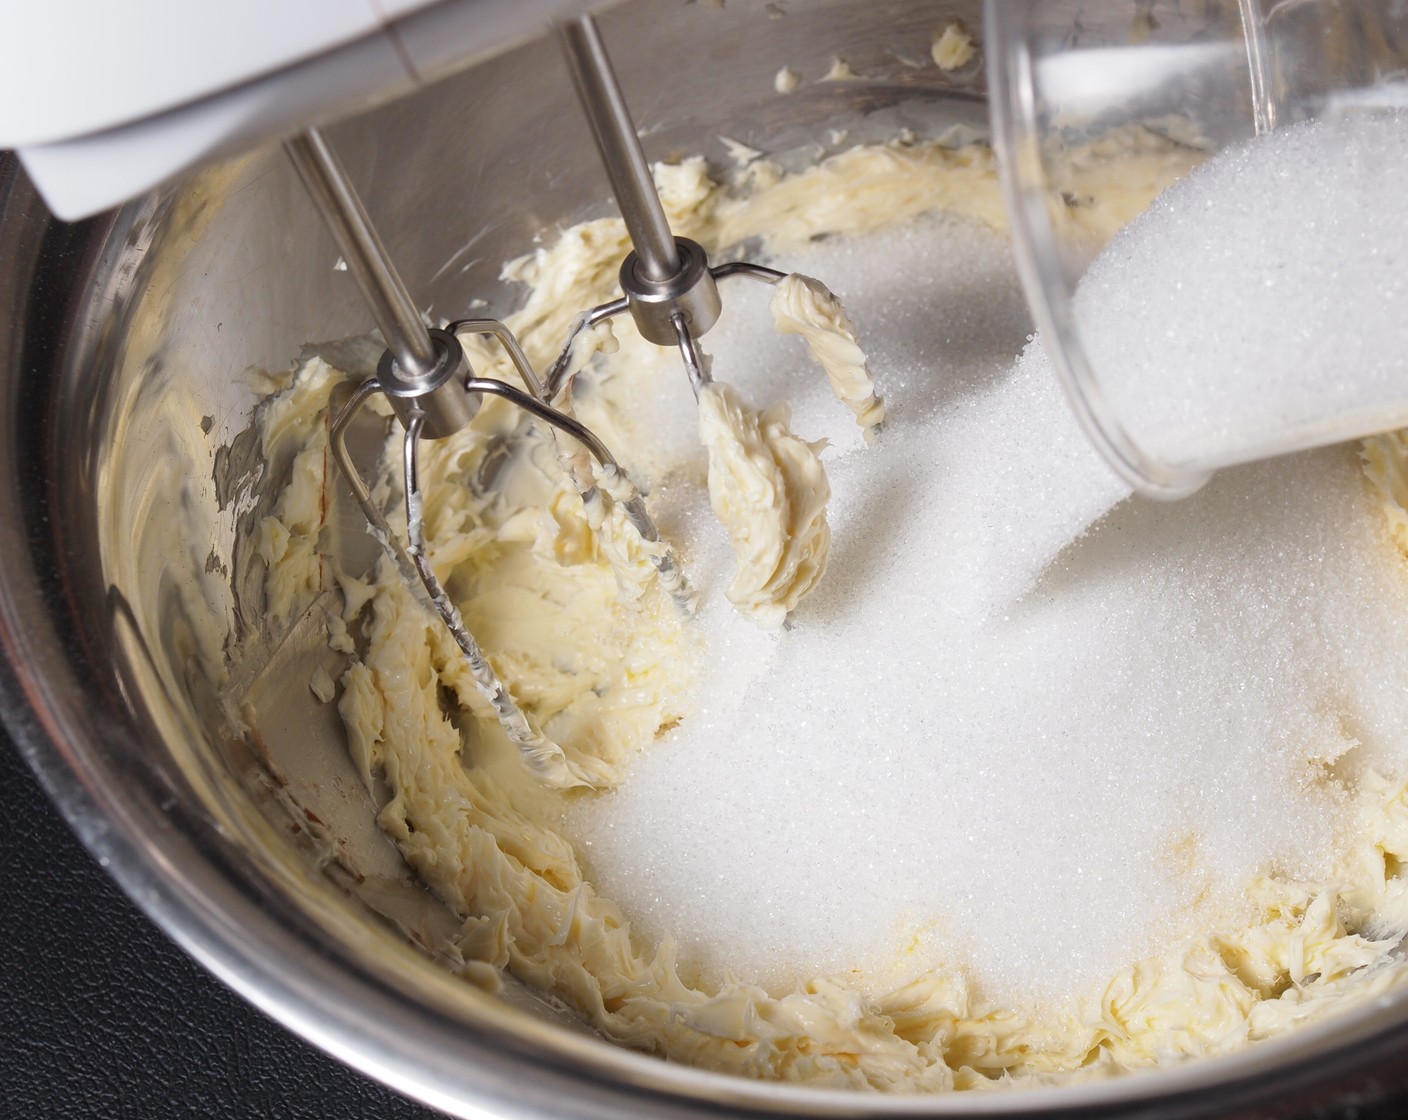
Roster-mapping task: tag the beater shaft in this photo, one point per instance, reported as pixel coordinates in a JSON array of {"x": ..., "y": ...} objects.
[
  {"x": 666, "y": 279},
  {"x": 386, "y": 295},
  {"x": 616, "y": 139}
]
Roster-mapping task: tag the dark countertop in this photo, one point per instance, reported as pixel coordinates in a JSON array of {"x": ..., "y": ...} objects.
[{"x": 103, "y": 1018}]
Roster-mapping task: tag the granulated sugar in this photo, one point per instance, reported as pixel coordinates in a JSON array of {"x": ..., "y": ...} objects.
[
  {"x": 1290, "y": 254},
  {"x": 979, "y": 746}
]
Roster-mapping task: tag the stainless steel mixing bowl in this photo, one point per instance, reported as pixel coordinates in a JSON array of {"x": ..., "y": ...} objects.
[{"x": 220, "y": 795}]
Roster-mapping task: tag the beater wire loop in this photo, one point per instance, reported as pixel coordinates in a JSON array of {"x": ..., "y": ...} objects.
[
  {"x": 542, "y": 755},
  {"x": 536, "y": 403},
  {"x": 690, "y": 354}
]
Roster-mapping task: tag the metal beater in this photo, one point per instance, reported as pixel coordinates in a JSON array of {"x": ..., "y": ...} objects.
[{"x": 434, "y": 392}]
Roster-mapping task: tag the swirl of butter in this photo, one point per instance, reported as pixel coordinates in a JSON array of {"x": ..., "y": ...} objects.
[
  {"x": 769, "y": 489},
  {"x": 805, "y": 306}
]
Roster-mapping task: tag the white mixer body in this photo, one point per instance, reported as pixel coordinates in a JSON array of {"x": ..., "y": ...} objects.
[{"x": 150, "y": 88}]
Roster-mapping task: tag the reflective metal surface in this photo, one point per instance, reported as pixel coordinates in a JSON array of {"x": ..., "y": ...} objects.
[
  {"x": 621, "y": 154},
  {"x": 391, "y": 306},
  {"x": 133, "y": 350}
]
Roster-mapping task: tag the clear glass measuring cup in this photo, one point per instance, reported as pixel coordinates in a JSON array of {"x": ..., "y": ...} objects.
[{"x": 1115, "y": 101}]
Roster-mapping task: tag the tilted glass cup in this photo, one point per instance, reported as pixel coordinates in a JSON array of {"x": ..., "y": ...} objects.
[{"x": 1083, "y": 94}]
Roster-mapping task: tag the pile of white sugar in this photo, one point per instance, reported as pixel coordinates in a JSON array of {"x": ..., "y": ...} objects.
[
  {"x": 975, "y": 750},
  {"x": 1291, "y": 255}
]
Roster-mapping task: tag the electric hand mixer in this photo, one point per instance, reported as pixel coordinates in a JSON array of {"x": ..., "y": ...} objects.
[{"x": 335, "y": 55}]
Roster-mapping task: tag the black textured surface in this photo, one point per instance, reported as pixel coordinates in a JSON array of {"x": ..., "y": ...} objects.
[{"x": 102, "y": 1017}]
